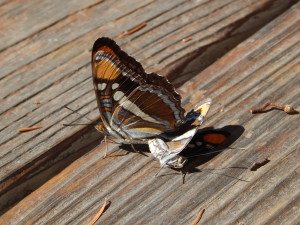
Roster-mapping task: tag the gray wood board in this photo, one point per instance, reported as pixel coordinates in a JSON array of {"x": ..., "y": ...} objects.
[{"x": 52, "y": 66}]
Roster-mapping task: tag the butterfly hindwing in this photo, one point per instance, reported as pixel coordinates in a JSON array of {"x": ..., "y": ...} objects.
[{"x": 167, "y": 151}]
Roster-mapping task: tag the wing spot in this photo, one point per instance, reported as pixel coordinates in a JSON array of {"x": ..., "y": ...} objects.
[
  {"x": 118, "y": 95},
  {"x": 115, "y": 86},
  {"x": 102, "y": 86}
]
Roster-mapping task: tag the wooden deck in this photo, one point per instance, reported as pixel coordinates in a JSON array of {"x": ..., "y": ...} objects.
[{"x": 240, "y": 53}]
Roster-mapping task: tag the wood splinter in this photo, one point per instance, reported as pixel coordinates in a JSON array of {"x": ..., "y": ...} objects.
[
  {"x": 29, "y": 128},
  {"x": 99, "y": 213},
  {"x": 199, "y": 216},
  {"x": 286, "y": 108},
  {"x": 184, "y": 40},
  {"x": 133, "y": 30}
]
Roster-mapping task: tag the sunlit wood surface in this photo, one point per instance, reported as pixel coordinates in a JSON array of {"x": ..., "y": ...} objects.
[{"x": 239, "y": 53}]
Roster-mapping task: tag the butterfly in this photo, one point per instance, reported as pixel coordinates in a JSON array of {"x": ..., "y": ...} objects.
[{"x": 139, "y": 107}]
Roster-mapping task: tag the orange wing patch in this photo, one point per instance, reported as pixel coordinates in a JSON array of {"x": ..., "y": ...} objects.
[
  {"x": 107, "y": 109},
  {"x": 105, "y": 49},
  {"x": 148, "y": 129},
  {"x": 105, "y": 97},
  {"x": 175, "y": 145},
  {"x": 203, "y": 109},
  {"x": 106, "y": 70}
]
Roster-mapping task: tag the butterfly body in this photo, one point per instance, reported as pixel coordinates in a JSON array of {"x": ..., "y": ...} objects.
[{"x": 140, "y": 107}]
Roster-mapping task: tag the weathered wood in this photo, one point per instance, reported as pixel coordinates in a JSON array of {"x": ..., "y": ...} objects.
[
  {"x": 21, "y": 19},
  {"x": 58, "y": 73}
]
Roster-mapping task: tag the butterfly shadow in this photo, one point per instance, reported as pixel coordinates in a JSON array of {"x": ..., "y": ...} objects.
[
  {"x": 201, "y": 151},
  {"x": 142, "y": 149}
]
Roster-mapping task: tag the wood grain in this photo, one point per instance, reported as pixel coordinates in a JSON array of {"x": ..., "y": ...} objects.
[{"x": 250, "y": 53}]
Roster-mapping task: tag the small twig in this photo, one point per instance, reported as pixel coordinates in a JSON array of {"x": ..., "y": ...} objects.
[
  {"x": 133, "y": 30},
  {"x": 287, "y": 108},
  {"x": 257, "y": 165},
  {"x": 99, "y": 213},
  {"x": 198, "y": 218},
  {"x": 29, "y": 128}
]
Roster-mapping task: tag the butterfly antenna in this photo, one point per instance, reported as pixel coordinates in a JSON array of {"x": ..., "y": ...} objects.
[
  {"x": 225, "y": 175},
  {"x": 208, "y": 153},
  {"x": 79, "y": 114},
  {"x": 74, "y": 124}
]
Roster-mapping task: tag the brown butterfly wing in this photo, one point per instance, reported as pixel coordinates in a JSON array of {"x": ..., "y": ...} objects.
[{"x": 131, "y": 101}]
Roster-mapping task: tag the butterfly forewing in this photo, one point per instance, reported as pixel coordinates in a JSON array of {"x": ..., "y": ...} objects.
[{"x": 132, "y": 104}]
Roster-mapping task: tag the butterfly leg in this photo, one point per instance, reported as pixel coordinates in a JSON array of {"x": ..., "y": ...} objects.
[
  {"x": 107, "y": 140},
  {"x": 140, "y": 152},
  {"x": 183, "y": 174},
  {"x": 106, "y": 147},
  {"x": 132, "y": 146}
]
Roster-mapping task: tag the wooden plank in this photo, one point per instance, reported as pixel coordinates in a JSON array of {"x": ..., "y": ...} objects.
[
  {"x": 19, "y": 110},
  {"x": 264, "y": 66},
  {"x": 21, "y": 19},
  {"x": 58, "y": 73}
]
